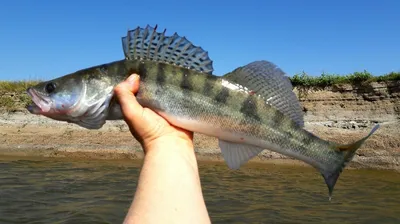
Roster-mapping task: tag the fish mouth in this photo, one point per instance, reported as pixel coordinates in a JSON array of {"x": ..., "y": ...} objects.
[{"x": 41, "y": 104}]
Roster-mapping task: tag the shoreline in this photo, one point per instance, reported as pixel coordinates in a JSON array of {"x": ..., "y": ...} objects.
[{"x": 26, "y": 135}]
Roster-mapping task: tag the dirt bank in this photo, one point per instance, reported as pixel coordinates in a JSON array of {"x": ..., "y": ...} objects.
[
  {"x": 339, "y": 113},
  {"x": 28, "y": 135}
]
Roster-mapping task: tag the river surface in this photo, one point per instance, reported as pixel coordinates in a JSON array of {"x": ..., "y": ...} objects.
[{"x": 66, "y": 191}]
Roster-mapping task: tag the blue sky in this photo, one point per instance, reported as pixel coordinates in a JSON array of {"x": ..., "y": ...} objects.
[{"x": 46, "y": 39}]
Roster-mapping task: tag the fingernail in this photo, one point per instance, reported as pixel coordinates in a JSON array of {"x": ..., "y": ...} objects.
[{"x": 132, "y": 78}]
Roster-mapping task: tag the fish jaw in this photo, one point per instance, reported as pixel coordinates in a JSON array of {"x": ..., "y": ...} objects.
[{"x": 42, "y": 105}]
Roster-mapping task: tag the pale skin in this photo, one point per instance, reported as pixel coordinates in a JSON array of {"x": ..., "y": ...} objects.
[{"x": 169, "y": 188}]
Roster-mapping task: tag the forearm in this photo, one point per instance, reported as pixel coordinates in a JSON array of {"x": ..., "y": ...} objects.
[{"x": 169, "y": 187}]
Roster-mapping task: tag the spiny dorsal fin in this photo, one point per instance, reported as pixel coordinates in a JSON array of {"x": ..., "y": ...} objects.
[
  {"x": 148, "y": 44},
  {"x": 268, "y": 81}
]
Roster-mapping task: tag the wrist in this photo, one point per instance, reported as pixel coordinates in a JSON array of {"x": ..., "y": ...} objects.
[
  {"x": 181, "y": 143},
  {"x": 172, "y": 148}
]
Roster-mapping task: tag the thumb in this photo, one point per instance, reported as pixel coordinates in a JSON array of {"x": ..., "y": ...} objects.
[{"x": 125, "y": 93}]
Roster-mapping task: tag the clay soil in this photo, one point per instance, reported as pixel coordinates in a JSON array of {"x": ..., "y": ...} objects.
[{"x": 22, "y": 134}]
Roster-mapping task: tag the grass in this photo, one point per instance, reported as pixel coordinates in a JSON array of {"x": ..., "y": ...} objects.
[
  {"x": 8, "y": 103},
  {"x": 13, "y": 95},
  {"x": 16, "y": 86},
  {"x": 304, "y": 83},
  {"x": 326, "y": 80}
]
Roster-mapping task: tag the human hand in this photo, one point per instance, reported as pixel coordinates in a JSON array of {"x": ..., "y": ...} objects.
[
  {"x": 148, "y": 127},
  {"x": 169, "y": 171}
]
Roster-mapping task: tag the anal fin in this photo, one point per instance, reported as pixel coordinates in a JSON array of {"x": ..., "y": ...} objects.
[{"x": 236, "y": 154}]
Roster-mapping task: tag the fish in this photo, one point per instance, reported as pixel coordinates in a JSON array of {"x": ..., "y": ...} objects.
[{"x": 248, "y": 110}]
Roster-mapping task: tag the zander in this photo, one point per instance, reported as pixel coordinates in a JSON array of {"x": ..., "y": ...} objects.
[{"x": 249, "y": 109}]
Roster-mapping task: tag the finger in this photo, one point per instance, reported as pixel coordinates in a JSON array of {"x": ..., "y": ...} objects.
[
  {"x": 131, "y": 83},
  {"x": 124, "y": 92}
]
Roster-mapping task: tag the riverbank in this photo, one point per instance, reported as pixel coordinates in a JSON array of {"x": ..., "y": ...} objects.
[{"x": 23, "y": 134}]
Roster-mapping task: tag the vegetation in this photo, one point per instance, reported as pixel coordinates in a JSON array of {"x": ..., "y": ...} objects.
[
  {"x": 12, "y": 95},
  {"x": 304, "y": 83},
  {"x": 17, "y": 86},
  {"x": 325, "y": 80}
]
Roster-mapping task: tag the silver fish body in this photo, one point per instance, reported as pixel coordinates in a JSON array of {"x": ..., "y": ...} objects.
[{"x": 250, "y": 109}]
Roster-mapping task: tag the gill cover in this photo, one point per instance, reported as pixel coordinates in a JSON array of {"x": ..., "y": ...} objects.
[{"x": 92, "y": 109}]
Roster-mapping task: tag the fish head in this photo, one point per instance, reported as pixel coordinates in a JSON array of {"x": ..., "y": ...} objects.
[
  {"x": 57, "y": 96},
  {"x": 81, "y": 98}
]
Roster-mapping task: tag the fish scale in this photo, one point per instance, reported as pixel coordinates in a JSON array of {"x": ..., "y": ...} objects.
[{"x": 248, "y": 110}]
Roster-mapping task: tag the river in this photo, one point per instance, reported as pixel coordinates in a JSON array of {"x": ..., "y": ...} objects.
[{"x": 99, "y": 191}]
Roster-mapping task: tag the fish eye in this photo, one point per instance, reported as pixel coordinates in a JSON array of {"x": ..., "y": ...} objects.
[{"x": 50, "y": 87}]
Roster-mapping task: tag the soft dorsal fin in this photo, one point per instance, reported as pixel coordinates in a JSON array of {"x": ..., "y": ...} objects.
[
  {"x": 148, "y": 44},
  {"x": 268, "y": 81}
]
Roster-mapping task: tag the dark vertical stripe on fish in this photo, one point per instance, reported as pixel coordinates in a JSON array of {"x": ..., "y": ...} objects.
[
  {"x": 307, "y": 140},
  {"x": 142, "y": 71},
  {"x": 185, "y": 82},
  {"x": 223, "y": 95},
  {"x": 249, "y": 108},
  {"x": 208, "y": 87},
  {"x": 278, "y": 117},
  {"x": 121, "y": 70},
  {"x": 160, "y": 80}
]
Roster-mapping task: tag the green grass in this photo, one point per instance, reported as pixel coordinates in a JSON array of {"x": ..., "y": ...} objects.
[
  {"x": 7, "y": 103},
  {"x": 326, "y": 80},
  {"x": 13, "y": 95},
  {"x": 16, "y": 86}
]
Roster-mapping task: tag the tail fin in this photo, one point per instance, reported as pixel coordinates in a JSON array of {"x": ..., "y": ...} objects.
[{"x": 349, "y": 152}]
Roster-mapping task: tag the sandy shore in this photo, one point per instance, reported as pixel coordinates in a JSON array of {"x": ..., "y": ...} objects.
[{"x": 24, "y": 134}]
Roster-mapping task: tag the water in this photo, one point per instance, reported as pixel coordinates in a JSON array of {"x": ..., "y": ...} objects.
[{"x": 65, "y": 191}]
